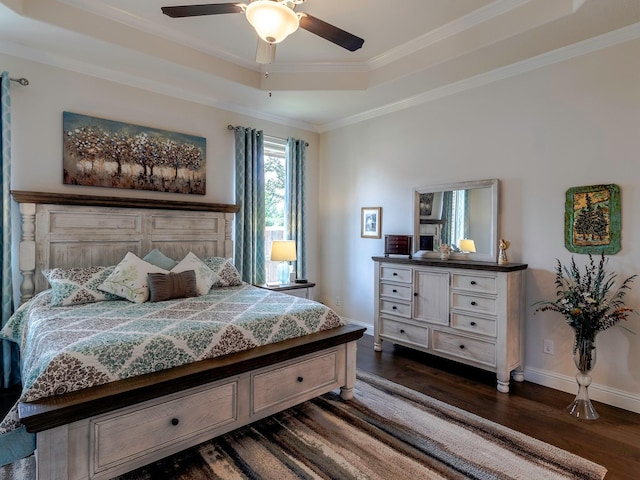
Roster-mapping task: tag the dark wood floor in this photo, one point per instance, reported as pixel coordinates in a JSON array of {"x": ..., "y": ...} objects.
[{"x": 612, "y": 441}]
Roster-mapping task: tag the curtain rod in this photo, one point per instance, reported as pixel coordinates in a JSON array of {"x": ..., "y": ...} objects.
[
  {"x": 231, "y": 127},
  {"x": 22, "y": 81}
]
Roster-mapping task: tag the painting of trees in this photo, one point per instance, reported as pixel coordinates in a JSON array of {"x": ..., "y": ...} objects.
[
  {"x": 592, "y": 219},
  {"x": 107, "y": 153}
]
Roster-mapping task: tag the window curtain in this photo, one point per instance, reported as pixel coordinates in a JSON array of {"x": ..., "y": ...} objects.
[
  {"x": 10, "y": 373},
  {"x": 17, "y": 443},
  {"x": 294, "y": 201},
  {"x": 455, "y": 209},
  {"x": 250, "y": 219}
]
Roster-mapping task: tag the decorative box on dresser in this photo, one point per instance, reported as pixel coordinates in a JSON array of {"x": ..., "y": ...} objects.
[{"x": 467, "y": 311}]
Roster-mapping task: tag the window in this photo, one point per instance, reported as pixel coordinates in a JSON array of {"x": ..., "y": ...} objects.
[{"x": 275, "y": 174}]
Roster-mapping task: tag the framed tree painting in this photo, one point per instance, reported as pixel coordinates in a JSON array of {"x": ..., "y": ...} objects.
[
  {"x": 370, "y": 222},
  {"x": 592, "y": 219}
]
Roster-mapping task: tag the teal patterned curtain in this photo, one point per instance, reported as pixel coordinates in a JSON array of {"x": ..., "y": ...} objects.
[
  {"x": 455, "y": 210},
  {"x": 294, "y": 201},
  {"x": 250, "y": 220},
  {"x": 10, "y": 373}
]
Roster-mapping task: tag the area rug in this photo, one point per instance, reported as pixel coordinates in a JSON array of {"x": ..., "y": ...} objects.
[{"x": 386, "y": 432}]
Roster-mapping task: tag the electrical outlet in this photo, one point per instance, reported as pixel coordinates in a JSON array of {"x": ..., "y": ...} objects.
[
  {"x": 338, "y": 301},
  {"x": 547, "y": 346}
]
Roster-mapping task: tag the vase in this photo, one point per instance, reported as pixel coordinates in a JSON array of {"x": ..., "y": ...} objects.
[{"x": 584, "y": 356}]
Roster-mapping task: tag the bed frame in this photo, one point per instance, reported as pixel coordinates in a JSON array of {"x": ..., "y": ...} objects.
[{"x": 111, "y": 429}]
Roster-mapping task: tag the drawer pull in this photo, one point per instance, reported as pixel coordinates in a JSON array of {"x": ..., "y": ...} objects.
[
  {"x": 415, "y": 294},
  {"x": 473, "y": 303},
  {"x": 473, "y": 324},
  {"x": 395, "y": 274},
  {"x": 473, "y": 282},
  {"x": 175, "y": 421},
  {"x": 300, "y": 379},
  {"x": 394, "y": 308},
  {"x": 461, "y": 347},
  {"x": 395, "y": 291},
  {"x": 401, "y": 330}
]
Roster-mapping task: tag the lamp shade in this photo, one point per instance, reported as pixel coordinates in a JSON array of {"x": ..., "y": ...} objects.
[
  {"x": 283, "y": 251},
  {"x": 467, "y": 245},
  {"x": 273, "y": 21}
]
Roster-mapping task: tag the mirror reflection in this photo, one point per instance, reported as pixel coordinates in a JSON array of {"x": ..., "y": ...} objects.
[{"x": 445, "y": 215}]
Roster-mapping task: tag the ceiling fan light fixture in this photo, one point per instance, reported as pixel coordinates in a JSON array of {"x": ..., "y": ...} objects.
[{"x": 272, "y": 20}]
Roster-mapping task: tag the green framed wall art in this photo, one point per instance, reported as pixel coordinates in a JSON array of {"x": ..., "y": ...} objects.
[{"x": 592, "y": 219}]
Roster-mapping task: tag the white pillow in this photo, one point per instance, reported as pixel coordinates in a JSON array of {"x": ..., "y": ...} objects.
[
  {"x": 204, "y": 275},
  {"x": 129, "y": 279}
]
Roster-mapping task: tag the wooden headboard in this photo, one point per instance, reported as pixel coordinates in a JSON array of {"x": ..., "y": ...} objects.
[{"x": 65, "y": 231}]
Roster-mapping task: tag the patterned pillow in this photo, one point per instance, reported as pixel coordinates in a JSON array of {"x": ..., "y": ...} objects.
[
  {"x": 159, "y": 259},
  {"x": 129, "y": 279},
  {"x": 204, "y": 276},
  {"x": 227, "y": 274},
  {"x": 77, "y": 286},
  {"x": 172, "y": 285}
]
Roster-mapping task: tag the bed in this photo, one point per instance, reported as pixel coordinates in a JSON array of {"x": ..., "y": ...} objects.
[{"x": 194, "y": 367}]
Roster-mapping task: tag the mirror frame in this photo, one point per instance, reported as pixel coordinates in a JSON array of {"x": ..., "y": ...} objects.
[{"x": 493, "y": 184}]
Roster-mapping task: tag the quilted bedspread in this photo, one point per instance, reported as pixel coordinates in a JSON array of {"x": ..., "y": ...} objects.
[{"x": 66, "y": 349}]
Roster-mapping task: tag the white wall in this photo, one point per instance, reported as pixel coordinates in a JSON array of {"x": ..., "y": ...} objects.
[
  {"x": 571, "y": 124},
  {"x": 36, "y": 113}
]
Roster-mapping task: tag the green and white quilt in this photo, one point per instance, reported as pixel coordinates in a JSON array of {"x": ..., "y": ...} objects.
[{"x": 67, "y": 349}]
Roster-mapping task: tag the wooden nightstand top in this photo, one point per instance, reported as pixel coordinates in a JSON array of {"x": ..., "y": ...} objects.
[{"x": 288, "y": 286}]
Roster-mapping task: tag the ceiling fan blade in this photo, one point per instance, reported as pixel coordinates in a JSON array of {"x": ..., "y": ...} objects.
[
  {"x": 329, "y": 32},
  {"x": 265, "y": 52},
  {"x": 206, "y": 9}
]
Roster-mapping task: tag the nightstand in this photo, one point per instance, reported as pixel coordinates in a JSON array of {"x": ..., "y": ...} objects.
[{"x": 296, "y": 289}]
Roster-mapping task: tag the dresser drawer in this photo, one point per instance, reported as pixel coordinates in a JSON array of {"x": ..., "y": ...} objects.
[
  {"x": 294, "y": 382},
  {"x": 473, "y": 283},
  {"x": 473, "y": 303},
  {"x": 395, "y": 308},
  {"x": 403, "y": 331},
  {"x": 469, "y": 323},
  {"x": 122, "y": 438},
  {"x": 398, "y": 292},
  {"x": 396, "y": 274},
  {"x": 463, "y": 347}
]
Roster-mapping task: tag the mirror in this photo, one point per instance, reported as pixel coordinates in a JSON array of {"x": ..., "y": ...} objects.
[{"x": 444, "y": 214}]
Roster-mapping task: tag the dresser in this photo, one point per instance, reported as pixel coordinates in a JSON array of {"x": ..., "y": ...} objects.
[{"x": 468, "y": 311}]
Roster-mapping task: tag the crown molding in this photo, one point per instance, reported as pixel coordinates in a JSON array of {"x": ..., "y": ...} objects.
[{"x": 622, "y": 35}]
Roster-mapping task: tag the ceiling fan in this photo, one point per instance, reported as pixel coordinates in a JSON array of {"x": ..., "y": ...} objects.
[{"x": 273, "y": 21}]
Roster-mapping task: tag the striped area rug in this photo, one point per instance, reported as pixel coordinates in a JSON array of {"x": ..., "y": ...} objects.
[{"x": 386, "y": 432}]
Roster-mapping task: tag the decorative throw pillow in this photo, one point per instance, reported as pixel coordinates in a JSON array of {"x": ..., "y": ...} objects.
[
  {"x": 77, "y": 286},
  {"x": 166, "y": 286},
  {"x": 204, "y": 276},
  {"x": 227, "y": 275},
  {"x": 129, "y": 279},
  {"x": 159, "y": 259}
]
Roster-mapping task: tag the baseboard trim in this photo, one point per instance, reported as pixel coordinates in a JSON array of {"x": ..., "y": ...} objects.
[
  {"x": 600, "y": 393},
  {"x": 368, "y": 326}
]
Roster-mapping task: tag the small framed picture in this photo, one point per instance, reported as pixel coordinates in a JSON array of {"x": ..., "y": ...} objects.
[{"x": 371, "y": 222}]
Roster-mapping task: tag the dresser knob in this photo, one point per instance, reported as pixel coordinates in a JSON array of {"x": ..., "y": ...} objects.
[
  {"x": 395, "y": 274},
  {"x": 473, "y": 282},
  {"x": 415, "y": 294},
  {"x": 175, "y": 421},
  {"x": 394, "y": 308},
  {"x": 473, "y": 324},
  {"x": 395, "y": 291},
  {"x": 461, "y": 347},
  {"x": 473, "y": 303},
  {"x": 401, "y": 331},
  {"x": 300, "y": 379}
]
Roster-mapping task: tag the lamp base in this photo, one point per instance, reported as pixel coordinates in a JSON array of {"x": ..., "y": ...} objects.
[{"x": 283, "y": 273}]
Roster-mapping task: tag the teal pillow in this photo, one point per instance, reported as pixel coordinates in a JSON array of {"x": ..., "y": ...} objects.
[{"x": 159, "y": 259}]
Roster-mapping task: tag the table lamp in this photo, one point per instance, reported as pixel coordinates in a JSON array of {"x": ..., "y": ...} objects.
[
  {"x": 283, "y": 251},
  {"x": 467, "y": 245}
]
